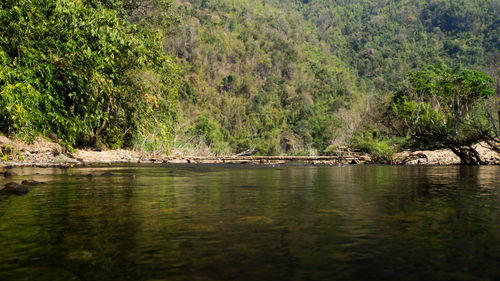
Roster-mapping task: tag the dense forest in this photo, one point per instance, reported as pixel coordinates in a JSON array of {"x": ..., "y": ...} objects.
[{"x": 222, "y": 76}]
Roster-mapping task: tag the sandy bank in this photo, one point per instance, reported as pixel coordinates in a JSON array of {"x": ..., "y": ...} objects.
[
  {"x": 443, "y": 156},
  {"x": 44, "y": 153}
]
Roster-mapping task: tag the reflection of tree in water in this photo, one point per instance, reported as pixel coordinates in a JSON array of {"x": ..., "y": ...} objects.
[
  {"x": 70, "y": 220},
  {"x": 318, "y": 223},
  {"x": 302, "y": 223},
  {"x": 444, "y": 217},
  {"x": 98, "y": 220}
]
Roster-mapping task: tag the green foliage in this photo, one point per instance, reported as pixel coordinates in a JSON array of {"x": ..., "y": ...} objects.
[
  {"x": 279, "y": 76},
  {"x": 7, "y": 152},
  {"x": 299, "y": 153},
  {"x": 271, "y": 71},
  {"x": 210, "y": 134},
  {"x": 400, "y": 143},
  {"x": 4, "y": 152},
  {"x": 20, "y": 157},
  {"x": 331, "y": 149},
  {"x": 371, "y": 142},
  {"x": 208, "y": 130},
  {"x": 77, "y": 70},
  {"x": 19, "y": 107},
  {"x": 249, "y": 68},
  {"x": 444, "y": 108}
]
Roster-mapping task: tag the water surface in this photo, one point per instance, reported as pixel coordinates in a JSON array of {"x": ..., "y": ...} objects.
[{"x": 253, "y": 223}]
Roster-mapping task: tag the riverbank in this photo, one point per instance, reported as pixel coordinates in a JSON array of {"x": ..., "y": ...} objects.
[
  {"x": 44, "y": 153},
  {"x": 443, "y": 156}
]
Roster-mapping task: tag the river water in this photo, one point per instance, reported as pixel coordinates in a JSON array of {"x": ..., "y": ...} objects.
[{"x": 253, "y": 223}]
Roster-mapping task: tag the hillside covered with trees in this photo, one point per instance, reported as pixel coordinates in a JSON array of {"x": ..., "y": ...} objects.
[{"x": 223, "y": 76}]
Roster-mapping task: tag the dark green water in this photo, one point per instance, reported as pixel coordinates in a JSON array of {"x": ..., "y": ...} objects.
[{"x": 253, "y": 223}]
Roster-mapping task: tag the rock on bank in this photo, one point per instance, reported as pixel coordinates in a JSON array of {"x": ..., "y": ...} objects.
[{"x": 44, "y": 153}]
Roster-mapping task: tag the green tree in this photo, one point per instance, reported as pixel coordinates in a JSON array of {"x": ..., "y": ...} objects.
[
  {"x": 76, "y": 70},
  {"x": 445, "y": 108}
]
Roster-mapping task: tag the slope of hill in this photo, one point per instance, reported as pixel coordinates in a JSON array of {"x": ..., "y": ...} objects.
[
  {"x": 279, "y": 76},
  {"x": 294, "y": 76}
]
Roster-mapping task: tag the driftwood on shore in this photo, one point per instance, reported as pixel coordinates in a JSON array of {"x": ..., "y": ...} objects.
[
  {"x": 110, "y": 158},
  {"x": 315, "y": 160},
  {"x": 43, "y": 153}
]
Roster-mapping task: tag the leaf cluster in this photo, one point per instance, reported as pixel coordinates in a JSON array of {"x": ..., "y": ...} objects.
[{"x": 77, "y": 71}]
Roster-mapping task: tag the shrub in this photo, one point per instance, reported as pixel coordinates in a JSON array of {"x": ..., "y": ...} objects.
[
  {"x": 370, "y": 141},
  {"x": 207, "y": 130},
  {"x": 299, "y": 153}
]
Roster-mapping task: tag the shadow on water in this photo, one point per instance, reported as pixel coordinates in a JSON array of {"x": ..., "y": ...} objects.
[{"x": 253, "y": 223}]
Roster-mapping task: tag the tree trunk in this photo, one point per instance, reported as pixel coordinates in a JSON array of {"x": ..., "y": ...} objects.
[{"x": 468, "y": 155}]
